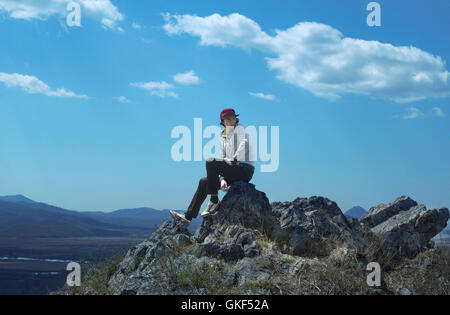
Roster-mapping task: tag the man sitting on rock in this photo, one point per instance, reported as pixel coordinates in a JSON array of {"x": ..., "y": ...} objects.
[{"x": 236, "y": 164}]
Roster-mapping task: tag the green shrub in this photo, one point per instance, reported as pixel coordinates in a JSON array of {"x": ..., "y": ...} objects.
[{"x": 282, "y": 239}]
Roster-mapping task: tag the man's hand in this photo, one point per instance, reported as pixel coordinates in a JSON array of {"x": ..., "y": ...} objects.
[
  {"x": 224, "y": 185},
  {"x": 228, "y": 161}
]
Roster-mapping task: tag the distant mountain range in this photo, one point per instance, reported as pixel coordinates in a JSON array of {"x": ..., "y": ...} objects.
[
  {"x": 355, "y": 212},
  {"x": 17, "y": 199},
  {"x": 23, "y": 217}
]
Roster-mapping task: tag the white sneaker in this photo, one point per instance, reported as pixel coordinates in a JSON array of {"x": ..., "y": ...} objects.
[
  {"x": 211, "y": 208},
  {"x": 180, "y": 216}
]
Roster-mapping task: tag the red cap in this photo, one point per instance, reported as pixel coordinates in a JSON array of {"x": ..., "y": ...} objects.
[{"x": 227, "y": 112}]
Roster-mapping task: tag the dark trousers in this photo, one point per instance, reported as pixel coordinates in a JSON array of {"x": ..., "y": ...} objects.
[{"x": 210, "y": 184}]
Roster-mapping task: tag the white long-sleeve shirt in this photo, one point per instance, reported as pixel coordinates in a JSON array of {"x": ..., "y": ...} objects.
[{"x": 237, "y": 145}]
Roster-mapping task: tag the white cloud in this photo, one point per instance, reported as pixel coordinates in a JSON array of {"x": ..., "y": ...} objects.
[
  {"x": 412, "y": 113},
  {"x": 122, "y": 99},
  {"x": 33, "y": 85},
  {"x": 161, "y": 89},
  {"x": 102, "y": 10},
  {"x": 217, "y": 30},
  {"x": 268, "y": 97},
  {"x": 136, "y": 26},
  {"x": 187, "y": 78},
  {"x": 318, "y": 58},
  {"x": 164, "y": 89},
  {"x": 437, "y": 111}
]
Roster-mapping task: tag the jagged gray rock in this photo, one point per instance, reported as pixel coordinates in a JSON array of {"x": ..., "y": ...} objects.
[
  {"x": 308, "y": 224},
  {"x": 410, "y": 231},
  {"x": 257, "y": 269},
  {"x": 138, "y": 271},
  {"x": 250, "y": 241},
  {"x": 404, "y": 227},
  {"x": 228, "y": 252},
  {"x": 244, "y": 207},
  {"x": 382, "y": 212},
  {"x": 403, "y": 291}
]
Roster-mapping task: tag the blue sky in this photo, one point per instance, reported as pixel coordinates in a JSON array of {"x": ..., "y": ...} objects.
[{"x": 86, "y": 113}]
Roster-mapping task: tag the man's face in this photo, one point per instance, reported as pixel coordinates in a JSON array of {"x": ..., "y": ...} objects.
[{"x": 229, "y": 120}]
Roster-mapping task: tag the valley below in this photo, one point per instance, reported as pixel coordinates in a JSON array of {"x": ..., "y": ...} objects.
[{"x": 38, "y": 265}]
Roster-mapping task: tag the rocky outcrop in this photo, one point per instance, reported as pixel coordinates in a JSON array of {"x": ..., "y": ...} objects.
[
  {"x": 253, "y": 246},
  {"x": 243, "y": 210},
  {"x": 309, "y": 224},
  {"x": 382, "y": 212},
  {"x": 140, "y": 270},
  {"x": 411, "y": 230}
]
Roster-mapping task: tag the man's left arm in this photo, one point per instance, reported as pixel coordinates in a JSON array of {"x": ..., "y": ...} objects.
[{"x": 241, "y": 142}]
